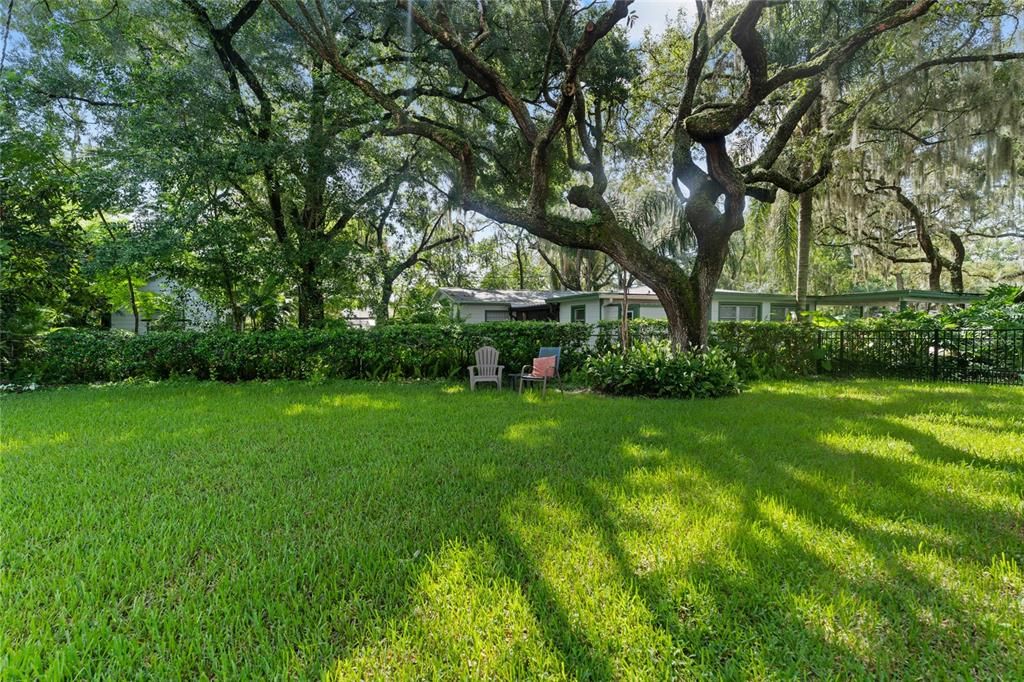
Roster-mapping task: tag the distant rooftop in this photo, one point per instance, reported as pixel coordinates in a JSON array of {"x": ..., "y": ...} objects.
[{"x": 516, "y": 298}]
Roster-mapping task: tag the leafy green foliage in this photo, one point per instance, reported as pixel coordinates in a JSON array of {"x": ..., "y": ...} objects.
[
  {"x": 1002, "y": 307},
  {"x": 388, "y": 352},
  {"x": 41, "y": 281},
  {"x": 761, "y": 350},
  {"x": 653, "y": 371},
  {"x": 768, "y": 350}
]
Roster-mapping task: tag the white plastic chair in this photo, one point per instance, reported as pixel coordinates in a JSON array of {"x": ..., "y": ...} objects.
[{"x": 486, "y": 368}]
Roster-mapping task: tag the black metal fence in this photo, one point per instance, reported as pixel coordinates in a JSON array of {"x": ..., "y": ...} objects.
[{"x": 989, "y": 356}]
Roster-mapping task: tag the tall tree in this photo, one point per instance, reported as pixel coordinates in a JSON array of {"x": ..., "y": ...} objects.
[
  {"x": 561, "y": 118},
  {"x": 274, "y": 132},
  {"x": 410, "y": 224}
]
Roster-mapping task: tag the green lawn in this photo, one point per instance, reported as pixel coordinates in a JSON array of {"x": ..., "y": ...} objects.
[{"x": 301, "y": 530}]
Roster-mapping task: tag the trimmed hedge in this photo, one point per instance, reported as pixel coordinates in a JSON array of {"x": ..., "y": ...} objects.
[
  {"x": 768, "y": 350},
  {"x": 70, "y": 356},
  {"x": 401, "y": 351}
]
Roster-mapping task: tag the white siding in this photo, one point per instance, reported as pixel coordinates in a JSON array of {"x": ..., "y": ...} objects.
[
  {"x": 121, "y": 319},
  {"x": 593, "y": 307},
  {"x": 655, "y": 312},
  {"x": 474, "y": 313},
  {"x": 652, "y": 311}
]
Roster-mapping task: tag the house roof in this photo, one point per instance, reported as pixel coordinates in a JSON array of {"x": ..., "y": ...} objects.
[
  {"x": 896, "y": 295},
  {"x": 645, "y": 293},
  {"x": 515, "y": 298}
]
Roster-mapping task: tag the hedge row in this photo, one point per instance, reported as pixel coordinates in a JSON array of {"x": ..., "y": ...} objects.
[
  {"x": 394, "y": 351},
  {"x": 761, "y": 350}
]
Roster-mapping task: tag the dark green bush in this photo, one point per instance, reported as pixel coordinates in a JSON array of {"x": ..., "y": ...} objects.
[
  {"x": 762, "y": 350},
  {"x": 392, "y": 351},
  {"x": 71, "y": 356},
  {"x": 652, "y": 370},
  {"x": 767, "y": 350},
  {"x": 641, "y": 330}
]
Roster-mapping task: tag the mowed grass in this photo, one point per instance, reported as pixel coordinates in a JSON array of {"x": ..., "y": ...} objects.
[{"x": 292, "y": 530}]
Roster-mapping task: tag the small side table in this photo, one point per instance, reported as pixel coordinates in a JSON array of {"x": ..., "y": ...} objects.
[{"x": 513, "y": 377}]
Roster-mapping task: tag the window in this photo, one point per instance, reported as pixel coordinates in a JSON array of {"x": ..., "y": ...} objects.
[
  {"x": 496, "y": 316},
  {"x": 632, "y": 312},
  {"x": 782, "y": 312},
  {"x": 738, "y": 312},
  {"x": 578, "y": 313}
]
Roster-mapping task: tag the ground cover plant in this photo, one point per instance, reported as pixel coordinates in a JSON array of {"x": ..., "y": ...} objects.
[{"x": 355, "y": 529}]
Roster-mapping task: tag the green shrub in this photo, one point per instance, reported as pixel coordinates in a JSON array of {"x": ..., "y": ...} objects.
[
  {"x": 397, "y": 351},
  {"x": 762, "y": 350},
  {"x": 71, "y": 356},
  {"x": 768, "y": 350},
  {"x": 652, "y": 370},
  {"x": 641, "y": 330}
]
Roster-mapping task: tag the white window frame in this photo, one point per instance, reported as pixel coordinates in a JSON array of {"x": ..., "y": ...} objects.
[
  {"x": 735, "y": 317},
  {"x": 506, "y": 316}
]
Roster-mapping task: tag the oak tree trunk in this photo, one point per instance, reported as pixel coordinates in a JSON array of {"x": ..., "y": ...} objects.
[
  {"x": 382, "y": 309},
  {"x": 956, "y": 266},
  {"x": 311, "y": 296}
]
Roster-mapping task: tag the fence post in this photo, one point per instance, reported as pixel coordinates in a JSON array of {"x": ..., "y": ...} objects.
[
  {"x": 935, "y": 355},
  {"x": 842, "y": 348},
  {"x": 820, "y": 353}
]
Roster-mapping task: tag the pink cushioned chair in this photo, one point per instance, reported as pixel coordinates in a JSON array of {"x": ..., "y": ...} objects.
[{"x": 545, "y": 366}]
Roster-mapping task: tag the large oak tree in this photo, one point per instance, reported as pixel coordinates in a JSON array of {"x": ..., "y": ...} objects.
[{"x": 552, "y": 178}]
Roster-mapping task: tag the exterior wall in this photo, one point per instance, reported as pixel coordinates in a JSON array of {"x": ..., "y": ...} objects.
[
  {"x": 610, "y": 311},
  {"x": 652, "y": 311},
  {"x": 598, "y": 309},
  {"x": 123, "y": 319},
  {"x": 765, "y": 307},
  {"x": 474, "y": 313},
  {"x": 593, "y": 307},
  {"x": 198, "y": 314}
]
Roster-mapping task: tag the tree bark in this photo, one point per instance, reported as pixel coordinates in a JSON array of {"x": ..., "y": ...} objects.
[
  {"x": 311, "y": 296},
  {"x": 131, "y": 296},
  {"x": 519, "y": 265},
  {"x": 382, "y": 309},
  {"x": 934, "y": 274},
  {"x": 624, "y": 321},
  {"x": 803, "y": 247},
  {"x": 956, "y": 266}
]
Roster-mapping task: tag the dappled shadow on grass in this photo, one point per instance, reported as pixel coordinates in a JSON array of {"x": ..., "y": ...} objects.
[{"x": 840, "y": 530}]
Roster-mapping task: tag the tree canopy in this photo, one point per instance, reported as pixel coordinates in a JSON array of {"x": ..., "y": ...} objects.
[{"x": 294, "y": 160}]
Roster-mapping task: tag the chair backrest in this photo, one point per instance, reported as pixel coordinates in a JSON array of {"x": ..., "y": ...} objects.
[
  {"x": 556, "y": 351},
  {"x": 487, "y": 360}
]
